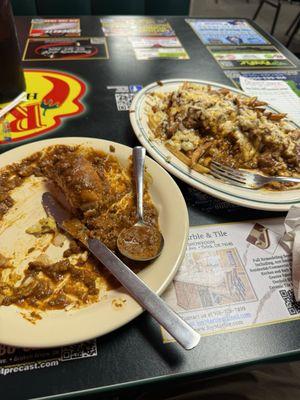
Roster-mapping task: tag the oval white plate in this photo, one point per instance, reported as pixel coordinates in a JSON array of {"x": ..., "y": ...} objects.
[
  {"x": 259, "y": 199},
  {"x": 66, "y": 327}
]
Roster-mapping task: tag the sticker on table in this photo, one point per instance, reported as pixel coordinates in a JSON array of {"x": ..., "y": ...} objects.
[
  {"x": 161, "y": 53},
  {"x": 136, "y": 26},
  {"x": 124, "y": 95},
  {"x": 234, "y": 276},
  {"x": 292, "y": 78},
  {"x": 51, "y": 97},
  {"x": 226, "y": 31},
  {"x": 239, "y": 57},
  {"x": 55, "y": 27},
  {"x": 13, "y": 360},
  {"x": 65, "y": 49}
]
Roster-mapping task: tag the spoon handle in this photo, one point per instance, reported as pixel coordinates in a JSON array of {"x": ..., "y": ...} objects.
[
  {"x": 138, "y": 165},
  {"x": 172, "y": 322}
]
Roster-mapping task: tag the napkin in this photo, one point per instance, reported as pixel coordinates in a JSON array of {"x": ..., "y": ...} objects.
[{"x": 291, "y": 243}]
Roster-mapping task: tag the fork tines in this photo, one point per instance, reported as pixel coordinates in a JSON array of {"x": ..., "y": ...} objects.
[{"x": 234, "y": 176}]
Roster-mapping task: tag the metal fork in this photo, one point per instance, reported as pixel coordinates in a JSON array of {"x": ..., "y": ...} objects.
[{"x": 242, "y": 178}]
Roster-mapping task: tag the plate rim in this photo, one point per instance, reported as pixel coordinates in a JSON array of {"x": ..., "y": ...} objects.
[
  {"x": 181, "y": 174},
  {"x": 137, "y": 310}
]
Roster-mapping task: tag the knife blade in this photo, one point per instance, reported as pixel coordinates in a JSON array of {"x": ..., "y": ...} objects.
[{"x": 164, "y": 315}]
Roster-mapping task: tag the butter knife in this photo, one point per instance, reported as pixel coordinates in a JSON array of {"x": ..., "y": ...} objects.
[{"x": 164, "y": 315}]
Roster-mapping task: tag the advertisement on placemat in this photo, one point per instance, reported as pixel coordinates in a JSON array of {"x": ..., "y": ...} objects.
[
  {"x": 65, "y": 49},
  {"x": 291, "y": 77},
  {"x": 13, "y": 360},
  {"x": 276, "y": 93},
  {"x": 239, "y": 57},
  {"x": 280, "y": 89},
  {"x": 154, "y": 42},
  {"x": 151, "y": 48},
  {"x": 55, "y": 27},
  {"x": 136, "y": 26},
  {"x": 226, "y": 32},
  {"x": 234, "y": 276},
  {"x": 52, "y": 96},
  {"x": 151, "y": 38},
  {"x": 161, "y": 53}
]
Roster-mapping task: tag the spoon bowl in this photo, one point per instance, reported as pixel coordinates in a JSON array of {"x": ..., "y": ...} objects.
[{"x": 140, "y": 242}]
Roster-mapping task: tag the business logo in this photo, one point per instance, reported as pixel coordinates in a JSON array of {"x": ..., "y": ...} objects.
[
  {"x": 65, "y": 50},
  {"x": 51, "y": 97},
  {"x": 259, "y": 237}
]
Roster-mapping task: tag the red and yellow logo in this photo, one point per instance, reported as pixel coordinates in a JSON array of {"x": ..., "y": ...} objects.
[{"x": 51, "y": 96}]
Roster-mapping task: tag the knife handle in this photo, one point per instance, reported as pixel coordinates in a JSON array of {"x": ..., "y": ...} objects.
[
  {"x": 164, "y": 315},
  {"x": 138, "y": 155}
]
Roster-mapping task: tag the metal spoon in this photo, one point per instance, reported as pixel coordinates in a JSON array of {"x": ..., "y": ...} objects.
[{"x": 141, "y": 242}]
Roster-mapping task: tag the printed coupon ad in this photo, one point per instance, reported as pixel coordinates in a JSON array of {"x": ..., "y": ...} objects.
[
  {"x": 150, "y": 48},
  {"x": 276, "y": 93},
  {"x": 240, "y": 57},
  {"x": 226, "y": 31},
  {"x": 234, "y": 276},
  {"x": 136, "y": 26},
  {"x": 150, "y": 41},
  {"x": 292, "y": 78},
  {"x": 55, "y": 27},
  {"x": 162, "y": 53},
  {"x": 65, "y": 49}
]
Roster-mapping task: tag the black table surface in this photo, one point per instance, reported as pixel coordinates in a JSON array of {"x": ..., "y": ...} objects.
[{"x": 134, "y": 354}]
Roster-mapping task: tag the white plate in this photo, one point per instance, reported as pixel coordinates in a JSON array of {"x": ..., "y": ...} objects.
[
  {"x": 259, "y": 199},
  {"x": 60, "y": 327}
]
